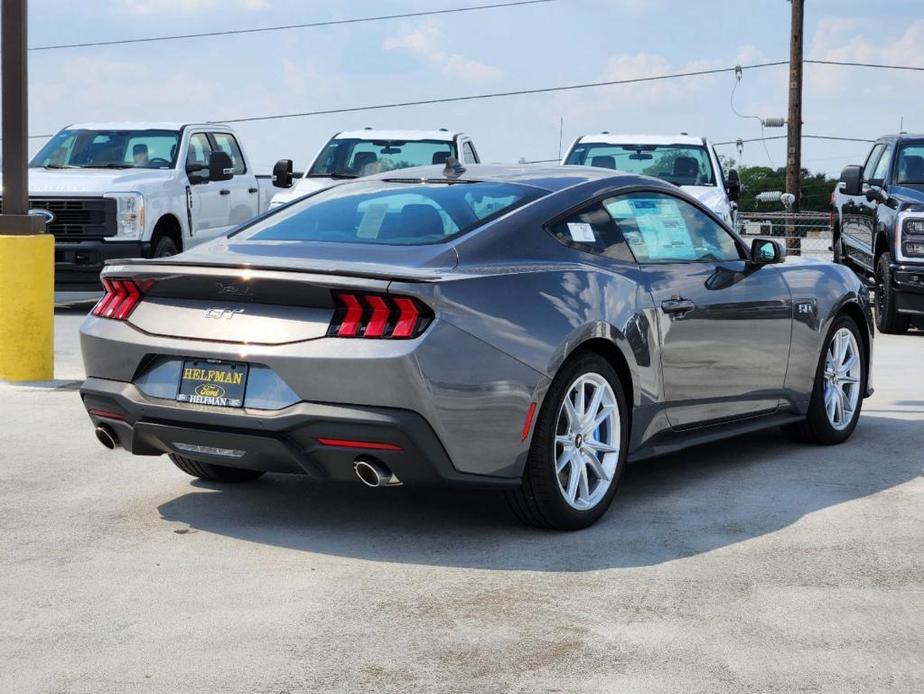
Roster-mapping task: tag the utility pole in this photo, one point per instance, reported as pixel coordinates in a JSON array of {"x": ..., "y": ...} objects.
[
  {"x": 26, "y": 251},
  {"x": 794, "y": 131}
]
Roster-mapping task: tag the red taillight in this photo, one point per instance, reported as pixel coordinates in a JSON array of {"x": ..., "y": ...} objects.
[
  {"x": 120, "y": 299},
  {"x": 377, "y": 316}
]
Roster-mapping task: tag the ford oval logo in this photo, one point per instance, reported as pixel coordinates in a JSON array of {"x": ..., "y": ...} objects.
[{"x": 47, "y": 215}]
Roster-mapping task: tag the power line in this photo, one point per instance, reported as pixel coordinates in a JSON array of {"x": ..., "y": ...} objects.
[
  {"x": 306, "y": 25},
  {"x": 806, "y": 137},
  {"x": 846, "y": 63},
  {"x": 495, "y": 95}
]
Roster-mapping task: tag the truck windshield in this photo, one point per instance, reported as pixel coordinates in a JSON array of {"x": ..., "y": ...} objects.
[
  {"x": 109, "y": 149},
  {"x": 352, "y": 158},
  {"x": 685, "y": 165},
  {"x": 911, "y": 163},
  {"x": 392, "y": 212}
]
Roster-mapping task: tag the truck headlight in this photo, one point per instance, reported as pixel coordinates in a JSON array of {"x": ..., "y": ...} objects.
[
  {"x": 914, "y": 226},
  {"x": 129, "y": 216}
]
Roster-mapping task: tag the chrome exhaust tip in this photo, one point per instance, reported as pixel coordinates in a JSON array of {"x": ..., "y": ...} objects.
[
  {"x": 372, "y": 473},
  {"x": 106, "y": 437}
]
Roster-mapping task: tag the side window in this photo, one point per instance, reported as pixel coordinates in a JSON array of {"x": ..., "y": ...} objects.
[
  {"x": 227, "y": 144},
  {"x": 882, "y": 168},
  {"x": 871, "y": 161},
  {"x": 593, "y": 231},
  {"x": 468, "y": 153},
  {"x": 197, "y": 157},
  {"x": 660, "y": 228}
]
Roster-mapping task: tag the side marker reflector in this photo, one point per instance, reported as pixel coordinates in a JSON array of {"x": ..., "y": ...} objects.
[{"x": 527, "y": 425}]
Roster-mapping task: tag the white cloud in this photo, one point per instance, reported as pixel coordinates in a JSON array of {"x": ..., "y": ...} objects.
[
  {"x": 429, "y": 42},
  {"x": 186, "y": 7}
]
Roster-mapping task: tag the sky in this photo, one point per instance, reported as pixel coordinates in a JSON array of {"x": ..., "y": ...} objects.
[{"x": 557, "y": 43}]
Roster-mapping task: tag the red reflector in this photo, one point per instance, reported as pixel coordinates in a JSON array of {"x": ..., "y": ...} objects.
[
  {"x": 354, "y": 313},
  {"x": 379, "y": 319},
  {"x": 368, "y": 445},
  {"x": 529, "y": 420},
  {"x": 407, "y": 318},
  {"x": 106, "y": 414}
]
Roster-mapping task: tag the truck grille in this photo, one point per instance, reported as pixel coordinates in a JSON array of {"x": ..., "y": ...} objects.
[{"x": 77, "y": 218}]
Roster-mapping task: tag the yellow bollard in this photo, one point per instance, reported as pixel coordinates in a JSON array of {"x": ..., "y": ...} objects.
[{"x": 27, "y": 298}]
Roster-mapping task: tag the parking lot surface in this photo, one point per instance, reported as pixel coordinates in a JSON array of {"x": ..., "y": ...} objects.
[{"x": 749, "y": 565}]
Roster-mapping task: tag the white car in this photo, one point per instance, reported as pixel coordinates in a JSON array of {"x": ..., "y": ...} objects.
[
  {"x": 357, "y": 153},
  {"x": 687, "y": 161},
  {"x": 129, "y": 190}
]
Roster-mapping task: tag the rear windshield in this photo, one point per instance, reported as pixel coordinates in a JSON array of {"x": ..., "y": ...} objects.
[
  {"x": 684, "y": 165},
  {"x": 350, "y": 157},
  {"x": 399, "y": 213}
]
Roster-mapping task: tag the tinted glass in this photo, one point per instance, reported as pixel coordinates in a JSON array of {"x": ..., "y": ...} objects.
[
  {"x": 660, "y": 228},
  {"x": 469, "y": 153},
  {"x": 381, "y": 212},
  {"x": 354, "y": 157},
  {"x": 593, "y": 231},
  {"x": 109, "y": 149},
  {"x": 680, "y": 164},
  {"x": 228, "y": 144},
  {"x": 911, "y": 163}
]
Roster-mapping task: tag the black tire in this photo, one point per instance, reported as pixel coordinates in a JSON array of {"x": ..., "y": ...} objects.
[
  {"x": 214, "y": 473},
  {"x": 538, "y": 501},
  {"x": 165, "y": 247},
  {"x": 888, "y": 319},
  {"x": 816, "y": 428}
]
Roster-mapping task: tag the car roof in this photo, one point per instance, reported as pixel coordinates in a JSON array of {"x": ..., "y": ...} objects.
[
  {"x": 143, "y": 125},
  {"x": 551, "y": 178},
  {"x": 638, "y": 139},
  {"x": 373, "y": 134}
]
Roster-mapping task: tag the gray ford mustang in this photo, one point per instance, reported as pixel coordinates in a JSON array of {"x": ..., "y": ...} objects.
[{"x": 531, "y": 329}]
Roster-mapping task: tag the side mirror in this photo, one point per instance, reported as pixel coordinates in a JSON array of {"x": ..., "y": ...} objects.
[
  {"x": 221, "y": 168},
  {"x": 282, "y": 173},
  {"x": 733, "y": 185},
  {"x": 852, "y": 177},
  {"x": 766, "y": 252}
]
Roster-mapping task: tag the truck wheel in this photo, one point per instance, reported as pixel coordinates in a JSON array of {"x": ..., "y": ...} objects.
[
  {"x": 888, "y": 319},
  {"x": 578, "y": 451},
  {"x": 165, "y": 247},
  {"x": 214, "y": 473},
  {"x": 840, "y": 382}
]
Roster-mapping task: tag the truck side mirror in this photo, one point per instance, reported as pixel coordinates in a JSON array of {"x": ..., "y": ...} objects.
[
  {"x": 733, "y": 185},
  {"x": 282, "y": 173},
  {"x": 852, "y": 177},
  {"x": 221, "y": 168}
]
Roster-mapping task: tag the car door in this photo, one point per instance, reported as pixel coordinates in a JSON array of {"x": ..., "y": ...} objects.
[
  {"x": 243, "y": 192},
  {"x": 724, "y": 325},
  {"x": 209, "y": 208},
  {"x": 858, "y": 215}
]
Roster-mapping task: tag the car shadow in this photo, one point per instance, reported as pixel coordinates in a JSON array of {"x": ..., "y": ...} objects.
[{"x": 677, "y": 506}]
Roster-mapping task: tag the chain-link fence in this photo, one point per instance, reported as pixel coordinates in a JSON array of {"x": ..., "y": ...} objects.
[{"x": 802, "y": 233}]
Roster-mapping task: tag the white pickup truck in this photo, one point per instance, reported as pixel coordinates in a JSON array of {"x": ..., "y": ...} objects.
[
  {"x": 119, "y": 190},
  {"x": 357, "y": 153},
  {"x": 686, "y": 161}
]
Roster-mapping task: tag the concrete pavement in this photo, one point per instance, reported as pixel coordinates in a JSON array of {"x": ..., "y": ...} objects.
[{"x": 750, "y": 565}]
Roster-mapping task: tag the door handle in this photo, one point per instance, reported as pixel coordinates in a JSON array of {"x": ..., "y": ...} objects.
[
  {"x": 253, "y": 190},
  {"x": 224, "y": 191},
  {"x": 677, "y": 305}
]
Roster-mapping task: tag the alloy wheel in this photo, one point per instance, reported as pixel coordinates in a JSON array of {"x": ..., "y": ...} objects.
[
  {"x": 843, "y": 369},
  {"x": 587, "y": 441}
]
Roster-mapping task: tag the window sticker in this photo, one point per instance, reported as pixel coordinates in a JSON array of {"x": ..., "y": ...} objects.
[
  {"x": 581, "y": 232},
  {"x": 663, "y": 229},
  {"x": 372, "y": 221}
]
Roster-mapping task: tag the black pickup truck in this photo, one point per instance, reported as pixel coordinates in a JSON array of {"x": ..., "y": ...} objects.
[{"x": 878, "y": 216}]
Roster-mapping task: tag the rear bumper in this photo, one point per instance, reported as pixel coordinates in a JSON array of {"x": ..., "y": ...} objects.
[
  {"x": 78, "y": 263},
  {"x": 286, "y": 440},
  {"x": 908, "y": 283}
]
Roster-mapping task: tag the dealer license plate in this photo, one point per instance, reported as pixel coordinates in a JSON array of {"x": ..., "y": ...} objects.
[{"x": 217, "y": 383}]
